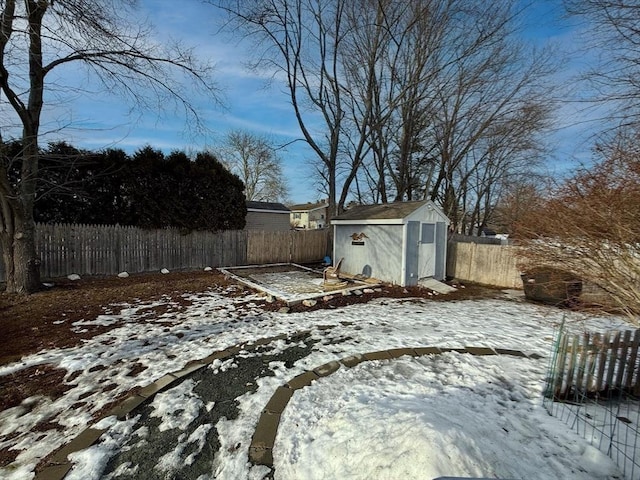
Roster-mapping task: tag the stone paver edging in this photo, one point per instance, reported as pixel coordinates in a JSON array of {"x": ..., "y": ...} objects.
[
  {"x": 264, "y": 437},
  {"x": 58, "y": 464},
  {"x": 260, "y": 450}
]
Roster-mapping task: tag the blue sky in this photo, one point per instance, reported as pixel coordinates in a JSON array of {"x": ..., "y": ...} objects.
[{"x": 100, "y": 120}]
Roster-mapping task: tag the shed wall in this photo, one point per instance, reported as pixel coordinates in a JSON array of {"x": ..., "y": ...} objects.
[
  {"x": 381, "y": 255},
  {"x": 267, "y": 221}
]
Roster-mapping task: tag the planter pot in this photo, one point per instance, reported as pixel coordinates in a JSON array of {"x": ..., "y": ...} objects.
[{"x": 551, "y": 286}]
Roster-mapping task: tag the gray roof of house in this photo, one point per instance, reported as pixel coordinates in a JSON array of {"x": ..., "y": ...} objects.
[
  {"x": 266, "y": 206},
  {"x": 380, "y": 211},
  {"x": 308, "y": 206}
]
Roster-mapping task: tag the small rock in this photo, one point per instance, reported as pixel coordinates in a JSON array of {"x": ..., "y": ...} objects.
[
  {"x": 309, "y": 303},
  {"x": 47, "y": 285},
  {"x": 368, "y": 290},
  {"x": 123, "y": 275},
  {"x": 284, "y": 310},
  {"x": 404, "y": 290},
  {"x": 269, "y": 299},
  {"x": 327, "y": 298},
  {"x": 378, "y": 290},
  {"x": 346, "y": 293},
  {"x": 73, "y": 277},
  {"x": 207, "y": 269},
  {"x": 164, "y": 271},
  {"x": 357, "y": 292}
]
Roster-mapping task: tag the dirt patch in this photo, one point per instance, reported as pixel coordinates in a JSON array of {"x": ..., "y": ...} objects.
[
  {"x": 42, "y": 380},
  {"x": 44, "y": 320}
]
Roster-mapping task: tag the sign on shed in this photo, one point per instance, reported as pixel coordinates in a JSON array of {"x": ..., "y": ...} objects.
[{"x": 399, "y": 243}]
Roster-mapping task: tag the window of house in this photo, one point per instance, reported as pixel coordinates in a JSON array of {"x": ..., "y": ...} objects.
[{"x": 296, "y": 216}]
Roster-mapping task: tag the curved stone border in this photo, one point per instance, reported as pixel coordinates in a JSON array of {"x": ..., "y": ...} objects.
[
  {"x": 264, "y": 436},
  {"x": 58, "y": 464}
]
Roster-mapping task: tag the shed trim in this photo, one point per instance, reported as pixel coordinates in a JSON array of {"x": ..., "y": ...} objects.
[
  {"x": 260, "y": 210},
  {"x": 381, "y": 221}
]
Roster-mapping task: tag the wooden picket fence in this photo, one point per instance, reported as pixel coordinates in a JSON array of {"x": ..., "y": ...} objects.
[
  {"x": 109, "y": 250},
  {"x": 594, "y": 363}
]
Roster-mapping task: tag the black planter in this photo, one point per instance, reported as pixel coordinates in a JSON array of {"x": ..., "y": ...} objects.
[{"x": 551, "y": 286}]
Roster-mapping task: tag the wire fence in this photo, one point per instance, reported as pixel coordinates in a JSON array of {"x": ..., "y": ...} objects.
[{"x": 593, "y": 386}]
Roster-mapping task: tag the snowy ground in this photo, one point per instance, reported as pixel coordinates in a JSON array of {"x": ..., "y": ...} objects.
[{"x": 408, "y": 418}]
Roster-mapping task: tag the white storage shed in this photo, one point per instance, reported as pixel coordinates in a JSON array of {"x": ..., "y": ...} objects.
[{"x": 399, "y": 243}]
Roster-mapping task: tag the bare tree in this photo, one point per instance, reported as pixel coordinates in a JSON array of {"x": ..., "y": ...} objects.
[
  {"x": 395, "y": 97},
  {"x": 459, "y": 105},
  {"x": 38, "y": 37},
  {"x": 492, "y": 101},
  {"x": 300, "y": 40},
  {"x": 254, "y": 159},
  {"x": 613, "y": 30},
  {"x": 519, "y": 196},
  {"x": 590, "y": 225}
]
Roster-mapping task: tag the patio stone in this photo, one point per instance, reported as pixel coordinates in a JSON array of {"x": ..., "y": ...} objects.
[
  {"x": 457, "y": 350},
  {"x": 302, "y": 380},
  {"x": 54, "y": 472},
  {"x": 261, "y": 456},
  {"x": 84, "y": 440},
  {"x": 189, "y": 368},
  {"x": 381, "y": 355},
  {"x": 279, "y": 400},
  {"x": 400, "y": 352},
  {"x": 480, "y": 351},
  {"x": 507, "y": 351},
  {"x": 352, "y": 360},
  {"x": 157, "y": 386},
  {"x": 127, "y": 406},
  {"x": 326, "y": 369},
  {"x": 264, "y": 435},
  {"x": 427, "y": 351},
  {"x": 233, "y": 350}
]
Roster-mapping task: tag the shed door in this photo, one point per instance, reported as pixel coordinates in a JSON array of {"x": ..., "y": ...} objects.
[
  {"x": 427, "y": 249},
  {"x": 441, "y": 251},
  {"x": 413, "y": 253}
]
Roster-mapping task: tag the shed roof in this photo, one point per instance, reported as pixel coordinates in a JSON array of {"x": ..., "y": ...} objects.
[
  {"x": 382, "y": 211},
  {"x": 253, "y": 205}
]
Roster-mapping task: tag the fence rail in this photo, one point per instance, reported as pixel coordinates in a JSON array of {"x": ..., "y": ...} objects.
[{"x": 109, "y": 250}]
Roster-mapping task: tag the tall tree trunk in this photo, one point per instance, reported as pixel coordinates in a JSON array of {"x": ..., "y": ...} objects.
[
  {"x": 26, "y": 264},
  {"x": 19, "y": 256}
]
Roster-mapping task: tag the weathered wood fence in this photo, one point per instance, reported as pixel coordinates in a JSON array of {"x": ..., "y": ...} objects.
[
  {"x": 297, "y": 246},
  {"x": 483, "y": 263},
  {"x": 109, "y": 250},
  {"x": 594, "y": 363}
]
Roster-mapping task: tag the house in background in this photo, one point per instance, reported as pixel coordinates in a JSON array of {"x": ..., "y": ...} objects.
[
  {"x": 400, "y": 243},
  {"x": 270, "y": 216},
  {"x": 309, "y": 215}
]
